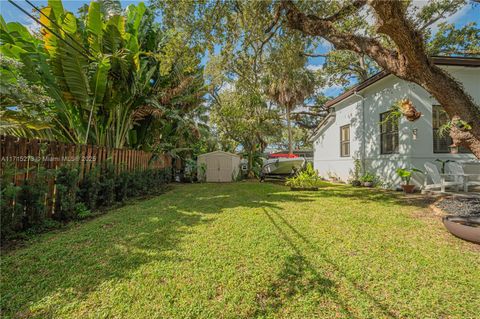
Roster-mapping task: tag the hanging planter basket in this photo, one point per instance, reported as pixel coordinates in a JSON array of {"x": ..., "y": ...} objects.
[{"x": 408, "y": 110}]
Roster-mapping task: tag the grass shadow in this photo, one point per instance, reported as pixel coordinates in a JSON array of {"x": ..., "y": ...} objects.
[
  {"x": 283, "y": 223},
  {"x": 73, "y": 262}
]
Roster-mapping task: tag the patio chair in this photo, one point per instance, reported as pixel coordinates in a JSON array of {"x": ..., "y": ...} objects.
[
  {"x": 439, "y": 180},
  {"x": 456, "y": 169}
]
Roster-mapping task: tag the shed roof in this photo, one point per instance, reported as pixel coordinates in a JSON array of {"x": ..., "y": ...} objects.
[{"x": 218, "y": 152}]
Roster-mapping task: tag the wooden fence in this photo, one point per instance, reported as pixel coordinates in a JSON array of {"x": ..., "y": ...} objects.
[{"x": 24, "y": 155}]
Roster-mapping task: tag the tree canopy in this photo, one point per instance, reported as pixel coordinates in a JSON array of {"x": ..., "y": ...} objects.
[
  {"x": 354, "y": 39},
  {"x": 111, "y": 77}
]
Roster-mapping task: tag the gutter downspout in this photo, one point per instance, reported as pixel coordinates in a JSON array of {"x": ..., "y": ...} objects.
[{"x": 355, "y": 93}]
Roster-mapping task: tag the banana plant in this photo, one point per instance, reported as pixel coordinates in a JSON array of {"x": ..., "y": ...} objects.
[
  {"x": 107, "y": 84},
  {"x": 103, "y": 71}
]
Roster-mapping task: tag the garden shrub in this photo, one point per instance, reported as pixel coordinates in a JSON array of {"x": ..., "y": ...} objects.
[
  {"x": 47, "y": 224},
  {"x": 122, "y": 181},
  {"x": 82, "y": 211},
  {"x": 307, "y": 178},
  {"x": 88, "y": 190},
  {"x": 106, "y": 183},
  {"x": 10, "y": 214},
  {"x": 133, "y": 185},
  {"x": 32, "y": 196},
  {"x": 74, "y": 199},
  {"x": 66, "y": 196}
]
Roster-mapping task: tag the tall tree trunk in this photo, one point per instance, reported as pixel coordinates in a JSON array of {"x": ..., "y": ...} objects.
[
  {"x": 251, "y": 152},
  {"x": 250, "y": 164},
  {"x": 289, "y": 127},
  {"x": 457, "y": 104}
]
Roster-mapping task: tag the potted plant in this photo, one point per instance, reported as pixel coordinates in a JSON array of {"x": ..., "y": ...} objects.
[
  {"x": 406, "y": 175},
  {"x": 368, "y": 179}
]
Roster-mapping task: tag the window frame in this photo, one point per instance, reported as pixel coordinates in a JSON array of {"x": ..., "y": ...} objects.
[
  {"x": 390, "y": 134},
  {"x": 344, "y": 142},
  {"x": 437, "y": 108},
  {"x": 447, "y": 137}
]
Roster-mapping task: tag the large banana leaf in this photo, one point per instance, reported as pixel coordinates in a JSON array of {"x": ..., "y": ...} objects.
[
  {"x": 57, "y": 7},
  {"x": 134, "y": 17},
  {"x": 12, "y": 50},
  {"x": 19, "y": 31},
  {"x": 69, "y": 25},
  {"x": 49, "y": 39},
  {"x": 112, "y": 39},
  {"x": 75, "y": 75},
  {"x": 94, "y": 26},
  {"x": 99, "y": 80},
  {"x": 3, "y": 24}
]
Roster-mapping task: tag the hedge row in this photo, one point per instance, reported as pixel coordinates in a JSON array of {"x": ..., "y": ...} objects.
[{"x": 23, "y": 208}]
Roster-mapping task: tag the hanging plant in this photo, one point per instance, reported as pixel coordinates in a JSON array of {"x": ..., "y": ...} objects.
[
  {"x": 401, "y": 108},
  {"x": 408, "y": 110},
  {"x": 460, "y": 124}
]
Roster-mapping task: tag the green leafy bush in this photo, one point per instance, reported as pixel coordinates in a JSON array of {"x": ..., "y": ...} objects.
[
  {"x": 307, "y": 178},
  {"x": 88, "y": 189},
  {"x": 66, "y": 196},
  {"x": 32, "y": 197},
  {"x": 82, "y": 211},
  {"x": 10, "y": 210},
  {"x": 122, "y": 182},
  {"x": 106, "y": 185},
  {"x": 135, "y": 185},
  {"x": 23, "y": 208}
]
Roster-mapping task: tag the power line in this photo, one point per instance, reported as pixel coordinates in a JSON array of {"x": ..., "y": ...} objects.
[
  {"x": 43, "y": 25},
  {"x": 66, "y": 33}
]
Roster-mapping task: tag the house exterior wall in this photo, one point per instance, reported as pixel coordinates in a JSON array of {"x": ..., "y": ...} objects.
[
  {"x": 414, "y": 149},
  {"x": 326, "y": 147}
]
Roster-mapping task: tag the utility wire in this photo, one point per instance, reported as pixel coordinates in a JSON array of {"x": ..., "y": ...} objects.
[
  {"x": 43, "y": 25},
  {"x": 55, "y": 23}
]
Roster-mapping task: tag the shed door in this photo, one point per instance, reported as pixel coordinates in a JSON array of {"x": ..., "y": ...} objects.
[
  {"x": 212, "y": 169},
  {"x": 225, "y": 169}
]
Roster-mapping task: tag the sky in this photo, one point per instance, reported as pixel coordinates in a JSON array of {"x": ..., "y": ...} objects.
[{"x": 469, "y": 13}]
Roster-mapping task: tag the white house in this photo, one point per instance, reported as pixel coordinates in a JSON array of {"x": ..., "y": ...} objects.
[{"x": 352, "y": 129}]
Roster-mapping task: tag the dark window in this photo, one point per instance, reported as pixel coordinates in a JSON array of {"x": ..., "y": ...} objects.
[
  {"x": 345, "y": 141},
  {"x": 388, "y": 134},
  {"x": 441, "y": 143}
]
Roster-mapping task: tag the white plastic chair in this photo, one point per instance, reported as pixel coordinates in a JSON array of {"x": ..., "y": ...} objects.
[
  {"x": 456, "y": 169},
  {"x": 439, "y": 180}
]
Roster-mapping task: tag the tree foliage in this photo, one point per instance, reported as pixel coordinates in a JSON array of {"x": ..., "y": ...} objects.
[
  {"x": 113, "y": 76},
  {"x": 353, "y": 38}
]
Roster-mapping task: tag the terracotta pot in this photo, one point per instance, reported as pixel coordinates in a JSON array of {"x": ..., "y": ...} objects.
[
  {"x": 408, "y": 189},
  {"x": 467, "y": 228}
]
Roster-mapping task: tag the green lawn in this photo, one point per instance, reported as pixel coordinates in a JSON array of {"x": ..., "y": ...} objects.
[{"x": 248, "y": 250}]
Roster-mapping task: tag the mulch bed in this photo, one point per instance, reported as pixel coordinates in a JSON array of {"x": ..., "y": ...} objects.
[{"x": 460, "y": 206}]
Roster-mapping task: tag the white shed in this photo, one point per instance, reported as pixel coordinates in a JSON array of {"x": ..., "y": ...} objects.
[{"x": 218, "y": 166}]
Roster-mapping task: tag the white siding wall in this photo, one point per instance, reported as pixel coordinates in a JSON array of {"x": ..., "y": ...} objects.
[
  {"x": 327, "y": 159},
  {"x": 379, "y": 97}
]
